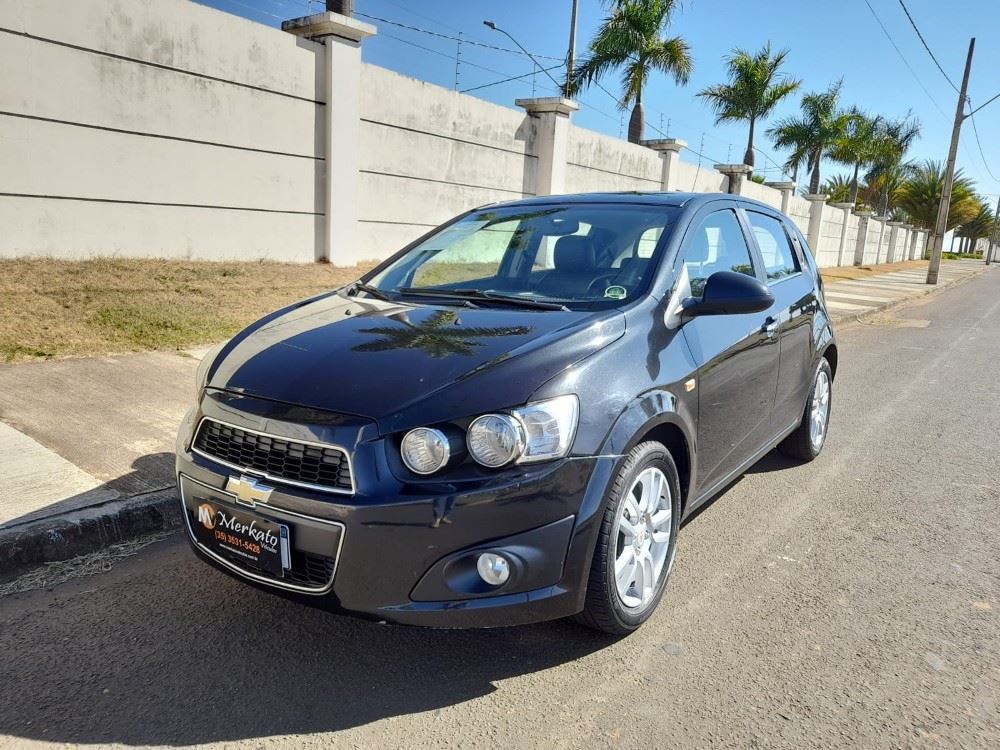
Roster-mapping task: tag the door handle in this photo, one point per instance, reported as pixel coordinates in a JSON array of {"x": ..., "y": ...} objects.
[{"x": 770, "y": 327}]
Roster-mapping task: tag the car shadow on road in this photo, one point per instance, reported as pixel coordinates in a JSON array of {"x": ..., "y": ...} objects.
[{"x": 167, "y": 651}]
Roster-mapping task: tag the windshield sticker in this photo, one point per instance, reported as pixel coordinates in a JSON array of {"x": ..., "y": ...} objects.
[{"x": 616, "y": 292}]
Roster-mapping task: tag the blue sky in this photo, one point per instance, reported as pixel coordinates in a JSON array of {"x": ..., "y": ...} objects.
[{"x": 827, "y": 40}]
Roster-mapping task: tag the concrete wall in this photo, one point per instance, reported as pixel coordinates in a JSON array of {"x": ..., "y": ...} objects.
[
  {"x": 164, "y": 128},
  {"x": 148, "y": 128}
]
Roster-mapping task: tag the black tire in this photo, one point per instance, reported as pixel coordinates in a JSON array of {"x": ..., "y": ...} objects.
[
  {"x": 799, "y": 444},
  {"x": 604, "y": 609}
]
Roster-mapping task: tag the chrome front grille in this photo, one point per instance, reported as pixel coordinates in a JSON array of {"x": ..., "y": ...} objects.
[{"x": 305, "y": 464}]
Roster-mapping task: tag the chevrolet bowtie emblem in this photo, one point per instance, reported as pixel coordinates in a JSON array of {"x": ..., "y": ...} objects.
[{"x": 248, "y": 490}]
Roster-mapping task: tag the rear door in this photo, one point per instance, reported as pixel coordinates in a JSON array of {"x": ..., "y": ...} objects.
[
  {"x": 795, "y": 305},
  {"x": 736, "y": 356}
]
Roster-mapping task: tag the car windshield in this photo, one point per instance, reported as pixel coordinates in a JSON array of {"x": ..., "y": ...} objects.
[{"x": 577, "y": 255}]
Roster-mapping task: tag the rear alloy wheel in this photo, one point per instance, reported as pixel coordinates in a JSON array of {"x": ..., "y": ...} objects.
[
  {"x": 636, "y": 546},
  {"x": 808, "y": 439}
]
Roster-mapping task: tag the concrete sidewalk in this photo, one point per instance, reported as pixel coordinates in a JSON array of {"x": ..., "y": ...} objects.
[
  {"x": 850, "y": 293},
  {"x": 86, "y": 445}
]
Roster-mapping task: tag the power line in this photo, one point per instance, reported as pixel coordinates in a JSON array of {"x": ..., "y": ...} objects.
[
  {"x": 926, "y": 46},
  {"x": 905, "y": 61},
  {"x": 452, "y": 37},
  {"x": 980, "y": 145},
  {"x": 508, "y": 80}
]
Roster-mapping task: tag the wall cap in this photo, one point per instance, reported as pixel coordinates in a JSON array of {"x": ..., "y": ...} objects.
[
  {"x": 558, "y": 104},
  {"x": 733, "y": 169},
  {"x": 329, "y": 24},
  {"x": 896, "y": 223},
  {"x": 787, "y": 185},
  {"x": 865, "y": 214},
  {"x": 843, "y": 205},
  {"x": 817, "y": 197},
  {"x": 664, "y": 144}
]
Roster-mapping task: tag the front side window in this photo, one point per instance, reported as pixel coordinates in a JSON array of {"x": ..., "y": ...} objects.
[
  {"x": 775, "y": 247},
  {"x": 576, "y": 254},
  {"x": 717, "y": 244}
]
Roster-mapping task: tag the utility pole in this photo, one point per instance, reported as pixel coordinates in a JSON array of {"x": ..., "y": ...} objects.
[
  {"x": 571, "y": 52},
  {"x": 993, "y": 233},
  {"x": 458, "y": 58},
  {"x": 941, "y": 225}
]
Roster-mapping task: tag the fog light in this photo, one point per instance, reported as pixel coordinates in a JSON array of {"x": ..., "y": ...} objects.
[{"x": 493, "y": 568}]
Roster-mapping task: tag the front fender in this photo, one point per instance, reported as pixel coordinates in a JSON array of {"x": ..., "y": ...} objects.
[{"x": 644, "y": 415}]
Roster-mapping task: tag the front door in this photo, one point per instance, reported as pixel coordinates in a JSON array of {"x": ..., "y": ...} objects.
[{"x": 736, "y": 355}]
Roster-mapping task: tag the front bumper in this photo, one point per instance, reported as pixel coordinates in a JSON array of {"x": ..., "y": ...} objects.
[{"x": 402, "y": 554}]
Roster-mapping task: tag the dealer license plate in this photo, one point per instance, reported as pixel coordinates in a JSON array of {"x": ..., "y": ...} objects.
[{"x": 242, "y": 537}]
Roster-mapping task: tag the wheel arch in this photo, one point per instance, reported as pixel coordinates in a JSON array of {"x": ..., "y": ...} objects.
[{"x": 658, "y": 416}]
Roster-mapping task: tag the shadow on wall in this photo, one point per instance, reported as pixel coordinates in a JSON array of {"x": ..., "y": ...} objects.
[
  {"x": 177, "y": 653},
  {"x": 527, "y": 131}
]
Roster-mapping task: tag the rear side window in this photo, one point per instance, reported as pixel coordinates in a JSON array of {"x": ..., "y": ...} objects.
[
  {"x": 775, "y": 247},
  {"x": 717, "y": 244}
]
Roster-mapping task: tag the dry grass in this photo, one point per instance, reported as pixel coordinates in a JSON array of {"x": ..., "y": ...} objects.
[
  {"x": 52, "y": 308},
  {"x": 860, "y": 272}
]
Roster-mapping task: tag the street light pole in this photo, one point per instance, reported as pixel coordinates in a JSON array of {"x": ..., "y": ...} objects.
[
  {"x": 491, "y": 25},
  {"x": 571, "y": 52},
  {"x": 941, "y": 225}
]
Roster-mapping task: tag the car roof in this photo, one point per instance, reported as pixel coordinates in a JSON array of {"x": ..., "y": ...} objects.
[{"x": 640, "y": 197}]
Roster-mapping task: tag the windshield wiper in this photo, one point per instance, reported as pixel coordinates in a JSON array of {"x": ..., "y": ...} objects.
[
  {"x": 370, "y": 290},
  {"x": 481, "y": 294}
]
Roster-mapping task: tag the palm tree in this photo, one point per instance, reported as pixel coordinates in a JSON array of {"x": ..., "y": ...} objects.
[
  {"x": 978, "y": 226},
  {"x": 920, "y": 195},
  {"x": 838, "y": 188},
  {"x": 632, "y": 38},
  {"x": 812, "y": 135},
  {"x": 755, "y": 87},
  {"x": 888, "y": 167},
  {"x": 437, "y": 335},
  {"x": 882, "y": 187},
  {"x": 860, "y": 145}
]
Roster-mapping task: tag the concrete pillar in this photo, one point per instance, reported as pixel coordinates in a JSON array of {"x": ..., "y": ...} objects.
[
  {"x": 890, "y": 255},
  {"x": 914, "y": 235},
  {"x": 817, "y": 203},
  {"x": 847, "y": 208},
  {"x": 342, "y": 37},
  {"x": 551, "y": 136},
  {"x": 787, "y": 190},
  {"x": 736, "y": 173},
  {"x": 669, "y": 150},
  {"x": 859, "y": 246},
  {"x": 903, "y": 242},
  {"x": 881, "y": 221}
]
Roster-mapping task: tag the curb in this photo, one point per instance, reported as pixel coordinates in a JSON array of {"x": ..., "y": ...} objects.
[
  {"x": 34, "y": 543},
  {"x": 937, "y": 288}
]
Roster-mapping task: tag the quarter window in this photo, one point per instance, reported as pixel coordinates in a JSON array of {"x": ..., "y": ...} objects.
[
  {"x": 775, "y": 248},
  {"x": 718, "y": 244}
]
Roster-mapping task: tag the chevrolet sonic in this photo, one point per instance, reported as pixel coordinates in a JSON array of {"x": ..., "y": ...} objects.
[{"x": 508, "y": 420}]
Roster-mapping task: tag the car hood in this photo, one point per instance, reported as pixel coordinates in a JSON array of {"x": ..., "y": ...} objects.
[{"x": 386, "y": 360}]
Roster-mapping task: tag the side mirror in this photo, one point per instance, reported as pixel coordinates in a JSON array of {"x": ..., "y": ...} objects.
[{"x": 730, "y": 293}]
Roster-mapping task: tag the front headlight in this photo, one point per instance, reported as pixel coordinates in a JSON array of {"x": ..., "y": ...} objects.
[
  {"x": 537, "y": 432},
  {"x": 495, "y": 440},
  {"x": 425, "y": 450},
  {"x": 549, "y": 427}
]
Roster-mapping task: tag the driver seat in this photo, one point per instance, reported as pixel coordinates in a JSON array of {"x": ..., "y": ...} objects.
[{"x": 575, "y": 266}]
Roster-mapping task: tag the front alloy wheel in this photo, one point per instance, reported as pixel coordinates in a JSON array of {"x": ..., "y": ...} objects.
[{"x": 637, "y": 541}]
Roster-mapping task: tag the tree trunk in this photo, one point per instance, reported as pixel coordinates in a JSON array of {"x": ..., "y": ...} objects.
[
  {"x": 814, "y": 180},
  {"x": 854, "y": 183},
  {"x": 748, "y": 156},
  {"x": 637, "y": 122}
]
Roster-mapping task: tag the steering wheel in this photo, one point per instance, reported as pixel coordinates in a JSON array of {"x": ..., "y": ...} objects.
[{"x": 603, "y": 278}]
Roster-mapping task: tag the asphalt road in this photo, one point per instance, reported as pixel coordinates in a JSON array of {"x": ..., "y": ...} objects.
[{"x": 853, "y": 602}]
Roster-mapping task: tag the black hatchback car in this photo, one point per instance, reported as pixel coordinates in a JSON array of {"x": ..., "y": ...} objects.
[{"x": 507, "y": 421}]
